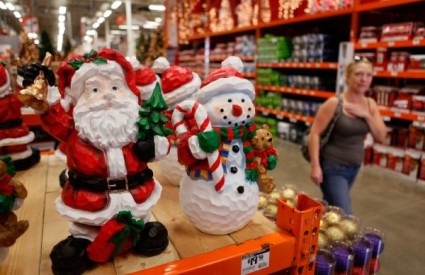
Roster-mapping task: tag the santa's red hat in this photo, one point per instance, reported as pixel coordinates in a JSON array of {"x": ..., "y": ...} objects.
[
  {"x": 178, "y": 83},
  {"x": 4, "y": 81},
  {"x": 76, "y": 69},
  {"x": 227, "y": 79},
  {"x": 146, "y": 78}
]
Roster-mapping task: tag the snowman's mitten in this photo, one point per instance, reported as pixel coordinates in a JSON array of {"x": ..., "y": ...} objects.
[
  {"x": 162, "y": 147},
  {"x": 30, "y": 72},
  {"x": 209, "y": 141},
  {"x": 145, "y": 149}
]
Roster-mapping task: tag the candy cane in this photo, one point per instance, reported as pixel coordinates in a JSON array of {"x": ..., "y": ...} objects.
[{"x": 203, "y": 123}]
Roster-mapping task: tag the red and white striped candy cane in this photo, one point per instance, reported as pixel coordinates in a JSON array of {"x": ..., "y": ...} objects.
[{"x": 204, "y": 124}]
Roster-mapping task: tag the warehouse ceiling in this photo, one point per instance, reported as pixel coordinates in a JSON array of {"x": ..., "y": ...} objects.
[{"x": 47, "y": 12}]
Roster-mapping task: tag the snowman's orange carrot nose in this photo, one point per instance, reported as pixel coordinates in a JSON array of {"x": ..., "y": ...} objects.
[{"x": 236, "y": 110}]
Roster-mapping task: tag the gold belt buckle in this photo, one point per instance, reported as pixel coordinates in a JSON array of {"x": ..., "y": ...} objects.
[{"x": 112, "y": 184}]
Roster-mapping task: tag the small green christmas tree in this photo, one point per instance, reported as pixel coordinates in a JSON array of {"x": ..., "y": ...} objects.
[{"x": 152, "y": 121}]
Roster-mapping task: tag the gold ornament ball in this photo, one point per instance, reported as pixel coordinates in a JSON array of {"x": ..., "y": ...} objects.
[
  {"x": 274, "y": 197},
  {"x": 262, "y": 202},
  {"x": 332, "y": 217},
  {"x": 323, "y": 241},
  {"x": 350, "y": 227},
  {"x": 291, "y": 203},
  {"x": 334, "y": 233},
  {"x": 323, "y": 224},
  {"x": 289, "y": 193},
  {"x": 271, "y": 211}
]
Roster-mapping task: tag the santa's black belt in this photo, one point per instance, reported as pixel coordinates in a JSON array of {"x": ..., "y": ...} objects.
[
  {"x": 114, "y": 185},
  {"x": 11, "y": 124}
]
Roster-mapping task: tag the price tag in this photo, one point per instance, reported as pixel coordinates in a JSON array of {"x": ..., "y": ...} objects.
[
  {"x": 416, "y": 41},
  {"x": 265, "y": 113},
  {"x": 421, "y": 118},
  {"x": 304, "y": 92},
  {"x": 393, "y": 73},
  {"x": 297, "y": 91},
  {"x": 308, "y": 65},
  {"x": 301, "y": 65},
  {"x": 391, "y": 43},
  {"x": 317, "y": 65},
  {"x": 293, "y": 120},
  {"x": 255, "y": 261},
  {"x": 397, "y": 114},
  {"x": 363, "y": 45},
  {"x": 280, "y": 117}
]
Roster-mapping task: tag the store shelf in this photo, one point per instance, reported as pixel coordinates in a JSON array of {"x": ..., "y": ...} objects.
[
  {"x": 282, "y": 114},
  {"x": 307, "y": 17},
  {"x": 392, "y": 44},
  {"x": 305, "y": 92},
  {"x": 389, "y": 113},
  {"x": 219, "y": 58},
  {"x": 233, "y": 31},
  {"x": 384, "y": 4},
  {"x": 249, "y": 75},
  {"x": 417, "y": 74},
  {"x": 301, "y": 65}
]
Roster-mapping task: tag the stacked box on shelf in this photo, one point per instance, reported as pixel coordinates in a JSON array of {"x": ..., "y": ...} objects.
[
  {"x": 274, "y": 48},
  {"x": 314, "y": 48},
  {"x": 268, "y": 76}
]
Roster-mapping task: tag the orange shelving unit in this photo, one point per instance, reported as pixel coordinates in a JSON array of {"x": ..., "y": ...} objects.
[
  {"x": 281, "y": 114},
  {"x": 291, "y": 247},
  {"x": 301, "y": 65},
  {"x": 391, "y": 44},
  {"x": 287, "y": 90}
]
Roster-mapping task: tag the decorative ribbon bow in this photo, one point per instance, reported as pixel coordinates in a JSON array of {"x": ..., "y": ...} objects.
[{"x": 131, "y": 231}]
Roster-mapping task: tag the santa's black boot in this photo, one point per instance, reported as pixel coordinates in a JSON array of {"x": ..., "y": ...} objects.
[
  {"x": 153, "y": 239},
  {"x": 63, "y": 177},
  {"x": 69, "y": 257}
]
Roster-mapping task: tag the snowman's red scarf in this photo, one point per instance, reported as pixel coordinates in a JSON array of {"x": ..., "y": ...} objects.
[{"x": 245, "y": 133}]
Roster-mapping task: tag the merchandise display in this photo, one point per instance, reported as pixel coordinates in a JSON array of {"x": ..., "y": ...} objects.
[
  {"x": 12, "y": 195},
  {"x": 15, "y": 135},
  {"x": 96, "y": 212}
]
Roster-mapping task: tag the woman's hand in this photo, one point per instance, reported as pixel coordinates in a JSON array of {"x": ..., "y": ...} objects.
[
  {"x": 316, "y": 174},
  {"x": 356, "y": 110}
]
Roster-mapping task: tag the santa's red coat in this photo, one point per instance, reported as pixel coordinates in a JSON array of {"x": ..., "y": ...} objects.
[
  {"x": 89, "y": 161},
  {"x": 10, "y": 109}
]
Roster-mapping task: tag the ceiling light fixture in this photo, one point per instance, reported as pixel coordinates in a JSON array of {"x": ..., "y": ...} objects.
[
  {"x": 62, "y": 10},
  {"x": 156, "y": 7},
  {"x": 17, "y": 14},
  {"x": 158, "y": 19},
  {"x": 124, "y": 27},
  {"x": 2, "y": 6},
  {"x": 95, "y": 25},
  {"x": 10, "y": 6},
  {"x": 61, "y": 18},
  {"x": 117, "y": 32},
  {"x": 116, "y": 5},
  {"x": 107, "y": 13}
]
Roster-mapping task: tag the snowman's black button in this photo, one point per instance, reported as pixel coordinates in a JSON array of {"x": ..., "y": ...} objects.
[
  {"x": 235, "y": 148},
  {"x": 241, "y": 189},
  {"x": 234, "y": 170}
]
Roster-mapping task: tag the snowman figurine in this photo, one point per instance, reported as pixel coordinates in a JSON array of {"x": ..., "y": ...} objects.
[
  {"x": 178, "y": 84},
  {"x": 219, "y": 193}
]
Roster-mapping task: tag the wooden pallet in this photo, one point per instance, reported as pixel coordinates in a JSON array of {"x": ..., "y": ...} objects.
[{"x": 30, "y": 255}]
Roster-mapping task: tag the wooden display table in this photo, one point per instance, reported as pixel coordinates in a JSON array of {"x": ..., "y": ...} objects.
[{"x": 190, "y": 251}]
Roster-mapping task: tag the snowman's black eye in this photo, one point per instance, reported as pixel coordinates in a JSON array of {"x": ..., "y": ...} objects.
[
  {"x": 115, "y": 88},
  {"x": 243, "y": 100},
  {"x": 222, "y": 110},
  {"x": 249, "y": 109},
  {"x": 229, "y": 100},
  {"x": 95, "y": 90},
  {"x": 225, "y": 117}
]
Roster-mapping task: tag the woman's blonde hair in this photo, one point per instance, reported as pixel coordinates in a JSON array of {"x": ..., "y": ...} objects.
[{"x": 356, "y": 60}]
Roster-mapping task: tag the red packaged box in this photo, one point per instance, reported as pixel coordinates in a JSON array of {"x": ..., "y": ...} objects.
[{"x": 399, "y": 31}]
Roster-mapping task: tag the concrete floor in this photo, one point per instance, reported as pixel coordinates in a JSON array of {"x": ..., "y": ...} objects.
[{"x": 380, "y": 198}]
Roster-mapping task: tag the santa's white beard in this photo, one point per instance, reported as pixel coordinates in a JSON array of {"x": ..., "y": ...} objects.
[{"x": 105, "y": 127}]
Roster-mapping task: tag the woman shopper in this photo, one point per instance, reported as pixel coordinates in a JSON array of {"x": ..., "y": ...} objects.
[{"x": 335, "y": 167}]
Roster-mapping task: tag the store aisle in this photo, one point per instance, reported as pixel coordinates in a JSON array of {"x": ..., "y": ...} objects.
[{"x": 380, "y": 198}]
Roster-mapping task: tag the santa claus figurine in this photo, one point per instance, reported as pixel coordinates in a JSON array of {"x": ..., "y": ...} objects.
[
  {"x": 178, "y": 84},
  {"x": 219, "y": 193},
  {"x": 14, "y": 134},
  {"x": 110, "y": 192}
]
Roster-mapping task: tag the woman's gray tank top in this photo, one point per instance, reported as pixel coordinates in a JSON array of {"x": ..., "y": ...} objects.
[{"x": 346, "y": 141}]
